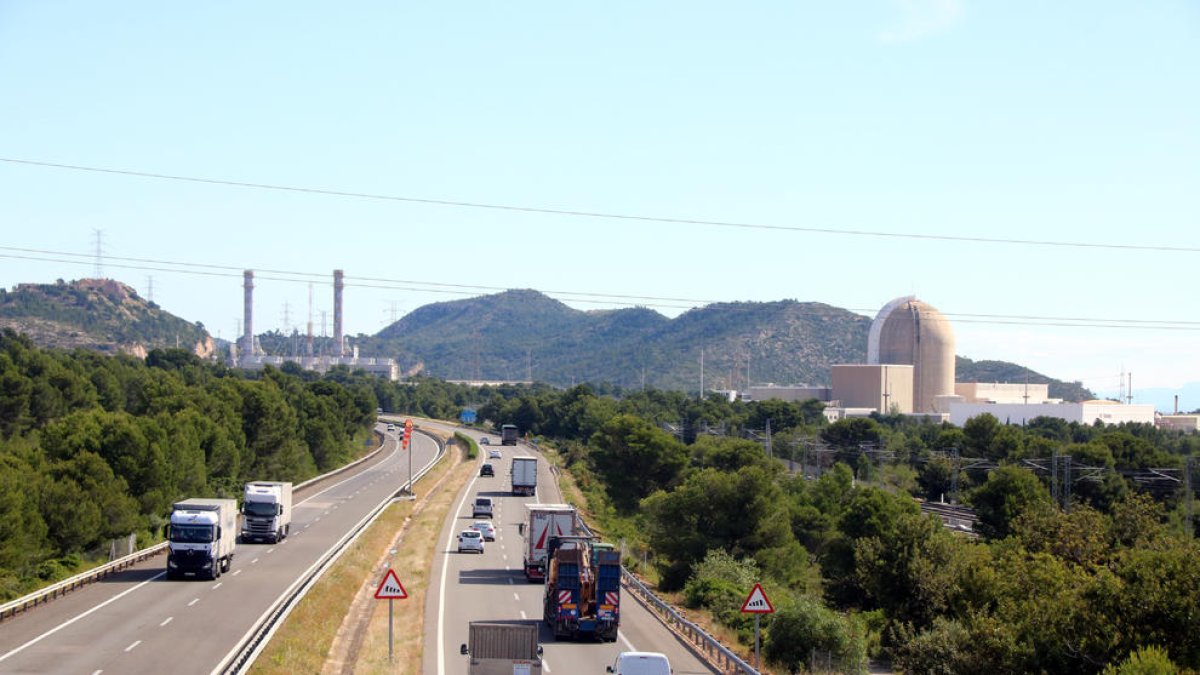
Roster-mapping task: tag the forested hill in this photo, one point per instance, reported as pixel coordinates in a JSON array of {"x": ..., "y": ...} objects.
[
  {"x": 97, "y": 314},
  {"x": 514, "y": 334},
  {"x": 96, "y": 447}
]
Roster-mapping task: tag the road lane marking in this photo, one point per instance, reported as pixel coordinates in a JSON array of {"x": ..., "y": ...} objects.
[
  {"x": 271, "y": 550},
  {"x": 98, "y": 672},
  {"x": 132, "y": 646},
  {"x": 441, "y": 624},
  {"x": 545, "y": 665},
  {"x": 523, "y": 617},
  {"x": 68, "y": 622},
  {"x": 516, "y": 597},
  {"x": 168, "y": 620},
  {"x": 194, "y": 601},
  {"x": 254, "y": 561},
  {"x": 237, "y": 572},
  {"x": 626, "y": 641},
  {"x": 218, "y": 585}
]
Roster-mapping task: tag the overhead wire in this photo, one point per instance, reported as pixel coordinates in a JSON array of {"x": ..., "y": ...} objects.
[
  {"x": 378, "y": 283},
  {"x": 600, "y": 214}
]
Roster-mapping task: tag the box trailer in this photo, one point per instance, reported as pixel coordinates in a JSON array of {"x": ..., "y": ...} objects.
[
  {"x": 503, "y": 648},
  {"x": 544, "y": 522},
  {"x": 201, "y": 536},
  {"x": 524, "y": 475}
]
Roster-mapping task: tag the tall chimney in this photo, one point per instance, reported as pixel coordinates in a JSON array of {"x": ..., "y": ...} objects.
[
  {"x": 339, "y": 347},
  {"x": 248, "y": 314}
]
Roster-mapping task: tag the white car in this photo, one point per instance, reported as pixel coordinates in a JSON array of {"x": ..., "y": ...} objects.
[
  {"x": 470, "y": 540},
  {"x": 485, "y": 528},
  {"x": 641, "y": 663},
  {"x": 493, "y": 454}
]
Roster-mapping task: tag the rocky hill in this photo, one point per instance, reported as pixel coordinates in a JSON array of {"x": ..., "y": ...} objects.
[
  {"x": 515, "y": 334},
  {"x": 97, "y": 314}
]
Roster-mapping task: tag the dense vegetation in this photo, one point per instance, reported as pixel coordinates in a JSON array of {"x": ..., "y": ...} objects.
[
  {"x": 94, "y": 448},
  {"x": 854, "y": 568},
  {"x": 98, "y": 314}
]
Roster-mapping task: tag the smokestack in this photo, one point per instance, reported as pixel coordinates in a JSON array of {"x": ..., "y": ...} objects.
[
  {"x": 308, "y": 345},
  {"x": 339, "y": 347},
  {"x": 248, "y": 314}
]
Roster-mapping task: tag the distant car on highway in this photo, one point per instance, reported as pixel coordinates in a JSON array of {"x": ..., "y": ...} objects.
[
  {"x": 487, "y": 470},
  {"x": 391, "y": 427},
  {"x": 493, "y": 454},
  {"x": 486, "y": 529},
  {"x": 482, "y": 507},
  {"x": 470, "y": 540},
  {"x": 484, "y": 441}
]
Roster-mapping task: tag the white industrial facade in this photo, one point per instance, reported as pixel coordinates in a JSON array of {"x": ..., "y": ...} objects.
[{"x": 1087, "y": 412}]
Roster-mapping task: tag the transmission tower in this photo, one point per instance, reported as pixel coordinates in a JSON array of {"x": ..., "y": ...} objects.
[{"x": 98, "y": 240}]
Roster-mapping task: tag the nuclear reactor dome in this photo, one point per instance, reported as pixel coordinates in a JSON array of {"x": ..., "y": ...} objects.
[{"x": 910, "y": 332}]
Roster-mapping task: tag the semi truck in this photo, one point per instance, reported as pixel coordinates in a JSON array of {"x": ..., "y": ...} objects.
[
  {"x": 583, "y": 589},
  {"x": 266, "y": 511},
  {"x": 524, "y": 475},
  {"x": 508, "y": 434},
  {"x": 545, "y": 521},
  {"x": 503, "y": 648},
  {"x": 201, "y": 536}
]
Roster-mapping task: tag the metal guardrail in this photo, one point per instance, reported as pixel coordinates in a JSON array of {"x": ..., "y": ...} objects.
[
  {"x": 712, "y": 648},
  {"x": 44, "y": 595},
  {"x": 251, "y": 645}
]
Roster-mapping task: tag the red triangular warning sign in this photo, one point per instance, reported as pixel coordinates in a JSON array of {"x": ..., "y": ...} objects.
[
  {"x": 757, "y": 603},
  {"x": 390, "y": 588}
]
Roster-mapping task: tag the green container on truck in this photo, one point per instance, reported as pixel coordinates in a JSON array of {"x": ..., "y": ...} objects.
[{"x": 583, "y": 589}]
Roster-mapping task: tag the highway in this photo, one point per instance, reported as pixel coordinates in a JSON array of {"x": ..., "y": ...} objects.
[
  {"x": 468, "y": 586},
  {"x": 138, "y": 622}
]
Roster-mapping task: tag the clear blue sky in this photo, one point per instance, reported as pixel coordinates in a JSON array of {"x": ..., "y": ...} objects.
[{"x": 1063, "y": 121}]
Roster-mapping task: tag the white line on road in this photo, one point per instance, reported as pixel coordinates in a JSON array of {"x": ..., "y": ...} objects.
[
  {"x": 166, "y": 621},
  {"x": 271, "y": 550},
  {"x": 218, "y": 585},
  {"x": 236, "y": 572},
  {"x": 194, "y": 601},
  {"x": 98, "y": 672},
  {"x": 64, "y": 624},
  {"x": 132, "y": 646},
  {"x": 516, "y": 597},
  {"x": 627, "y": 642},
  {"x": 523, "y": 617},
  {"x": 441, "y": 625},
  {"x": 545, "y": 665},
  {"x": 254, "y": 561}
]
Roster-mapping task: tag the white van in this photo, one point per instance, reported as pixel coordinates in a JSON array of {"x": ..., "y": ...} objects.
[{"x": 641, "y": 663}]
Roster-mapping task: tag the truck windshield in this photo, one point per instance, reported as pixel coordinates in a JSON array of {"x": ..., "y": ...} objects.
[
  {"x": 191, "y": 534},
  {"x": 265, "y": 509}
]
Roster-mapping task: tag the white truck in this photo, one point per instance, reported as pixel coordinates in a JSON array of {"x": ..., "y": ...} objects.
[
  {"x": 266, "y": 511},
  {"x": 202, "y": 536},
  {"x": 503, "y": 648},
  {"x": 545, "y": 521},
  {"x": 524, "y": 475}
]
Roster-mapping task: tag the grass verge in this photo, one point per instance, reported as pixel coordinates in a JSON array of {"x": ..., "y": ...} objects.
[{"x": 304, "y": 643}]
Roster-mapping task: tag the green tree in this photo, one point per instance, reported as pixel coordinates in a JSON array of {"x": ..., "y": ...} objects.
[
  {"x": 1008, "y": 492},
  {"x": 634, "y": 459}
]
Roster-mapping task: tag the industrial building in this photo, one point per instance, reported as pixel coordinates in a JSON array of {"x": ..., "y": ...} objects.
[
  {"x": 910, "y": 332},
  {"x": 887, "y": 388},
  {"x": 801, "y": 392},
  {"x": 248, "y": 354},
  {"x": 1003, "y": 392},
  {"x": 1087, "y": 412}
]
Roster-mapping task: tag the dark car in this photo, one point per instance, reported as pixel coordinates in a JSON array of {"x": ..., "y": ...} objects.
[{"x": 487, "y": 470}]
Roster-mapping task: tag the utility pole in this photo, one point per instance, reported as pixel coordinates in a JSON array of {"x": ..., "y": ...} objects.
[
  {"x": 150, "y": 288},
  {"x": 702, "y": 373},
  {"x": 529, "y": 365},
  {"x": 98, "y": 236}
]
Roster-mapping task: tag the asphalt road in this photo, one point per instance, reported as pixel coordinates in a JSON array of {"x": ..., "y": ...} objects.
[
  {"x": 471, "y": 587},
  {"x": 138, "y": 622}
]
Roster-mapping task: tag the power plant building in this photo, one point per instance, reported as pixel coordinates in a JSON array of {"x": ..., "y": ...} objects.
[
  {"x": 910, "y": 332},
  {"x": 887, "y": 388}
]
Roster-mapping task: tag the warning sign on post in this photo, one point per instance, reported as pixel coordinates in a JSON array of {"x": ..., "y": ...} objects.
[
  {"x": 757, "y": 603},
  {"x": 390, "y": 588}
]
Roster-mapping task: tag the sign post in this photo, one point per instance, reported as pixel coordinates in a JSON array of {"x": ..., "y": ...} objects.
[
  {"x": 757, "y": 604},
  {"x": 391, "y": 589},
  {"x": 407, "y": 436}
]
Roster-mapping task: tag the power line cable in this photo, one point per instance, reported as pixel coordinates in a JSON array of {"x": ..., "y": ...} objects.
[
  {"x": 606, "y": 215},
  {"x": 210, "y": 270}
]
